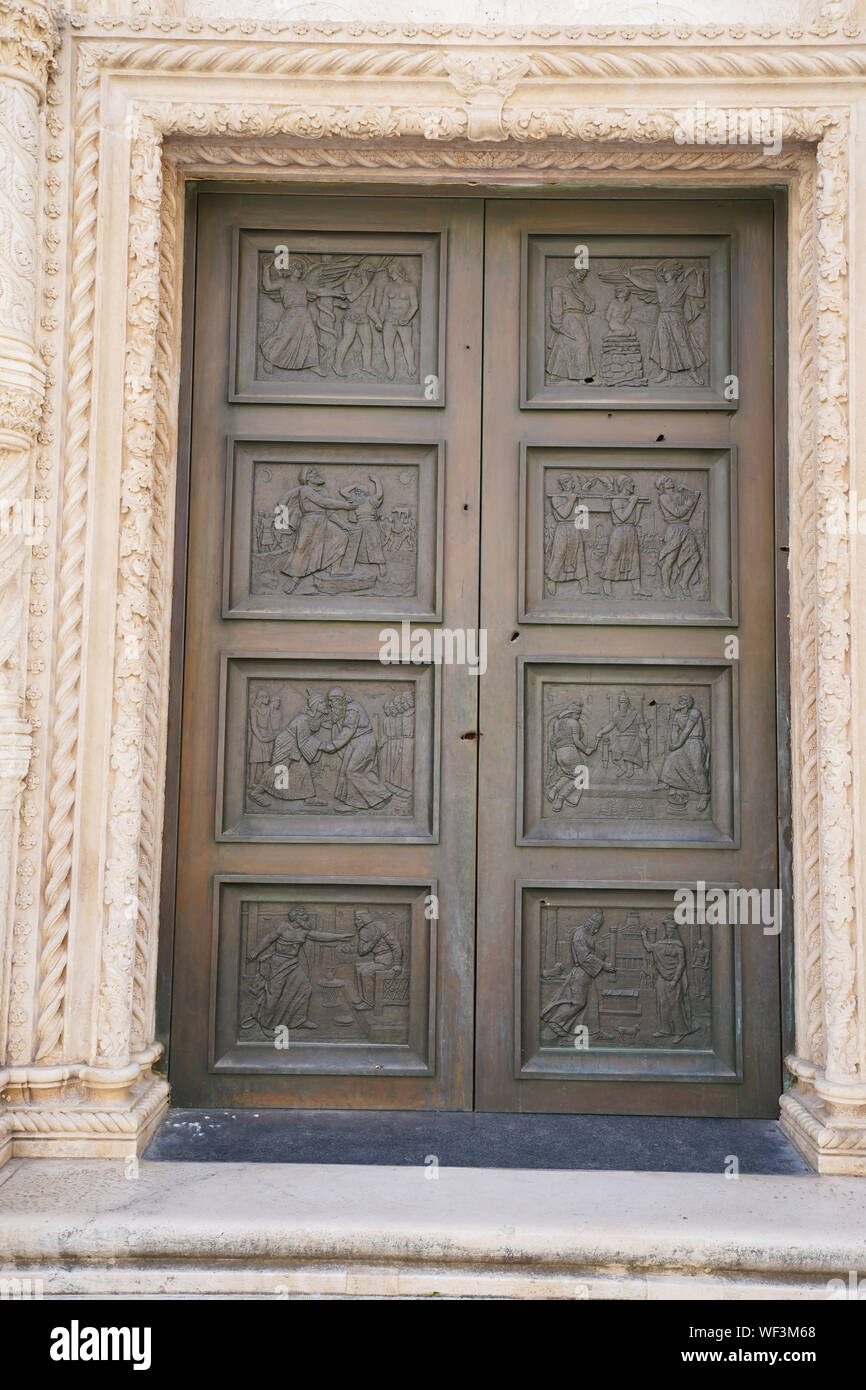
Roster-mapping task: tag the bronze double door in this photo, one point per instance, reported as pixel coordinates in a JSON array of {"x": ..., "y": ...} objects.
[{"x": 478, "y": 675}]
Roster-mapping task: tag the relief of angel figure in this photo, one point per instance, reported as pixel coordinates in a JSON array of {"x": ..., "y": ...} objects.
[
  {"x": 292, "y": 344},
  {"x": 679, "y": 293}
]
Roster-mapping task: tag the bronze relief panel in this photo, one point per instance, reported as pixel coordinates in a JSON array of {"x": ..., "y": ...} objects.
[
  {"x": 323, "y": 977},
  {"x": 635, "y": 535},
  {"x": 324, "y": 529},
  {"x": 338, "y": 317},
  {"x": 628, "y": 322},
  {"x": 613, "y": 981},
  {"x": 632, "y": 753},
  {"x": 316, "y": 750}
]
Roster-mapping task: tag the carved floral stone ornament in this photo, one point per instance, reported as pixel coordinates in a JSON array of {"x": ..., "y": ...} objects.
[
  {"x": 486, "y": 83},
  {"x": 90, "y": 270},
  {"x": 28, "y": 36}
]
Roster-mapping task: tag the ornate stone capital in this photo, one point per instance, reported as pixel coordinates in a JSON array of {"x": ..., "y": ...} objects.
[
  {"x": 20, "y": 413},
  {"x": 28, "y": 36}
]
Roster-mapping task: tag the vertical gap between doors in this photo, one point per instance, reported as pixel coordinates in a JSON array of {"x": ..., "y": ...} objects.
[{"x": 478, "y": 705}]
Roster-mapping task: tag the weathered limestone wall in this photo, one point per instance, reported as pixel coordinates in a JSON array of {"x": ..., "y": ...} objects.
[{"x": 102, "y": 117}]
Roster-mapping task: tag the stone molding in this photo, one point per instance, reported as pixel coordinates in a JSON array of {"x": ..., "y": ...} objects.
[
  {"x": 799, "y": 35},
  {"x": 514, "y": 113}
]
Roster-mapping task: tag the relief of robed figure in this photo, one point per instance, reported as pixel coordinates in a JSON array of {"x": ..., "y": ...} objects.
[
  {"x": 578, "y": 993},
  {"x": 292, "y": 344},
  {"x": 333, "y": 536},
  {"x": 569, "y": 355},
  {"x": 281, "y": 988},
  {"x": 668, "y": 956},
  {"x": 565, "y": 548},
  {"x": 686, "y": 768}
]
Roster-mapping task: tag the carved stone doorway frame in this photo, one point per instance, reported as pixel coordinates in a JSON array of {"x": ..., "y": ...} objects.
[{"x": 144, "y": 117}]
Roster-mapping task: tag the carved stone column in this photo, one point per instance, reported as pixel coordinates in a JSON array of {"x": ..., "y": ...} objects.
[
  {"x": 825, "y": 1111},
  {"x": 56, "y": 1098},
  {"x": 27, "y": 39}
]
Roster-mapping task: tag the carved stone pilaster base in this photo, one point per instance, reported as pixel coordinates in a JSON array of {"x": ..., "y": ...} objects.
[
  {"x": 77, "y": 1112},
  {"x": 827, "y": 1125}
]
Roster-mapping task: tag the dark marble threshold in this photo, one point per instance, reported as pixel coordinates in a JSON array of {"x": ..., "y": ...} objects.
[{"x": 460, "y": 1140}]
